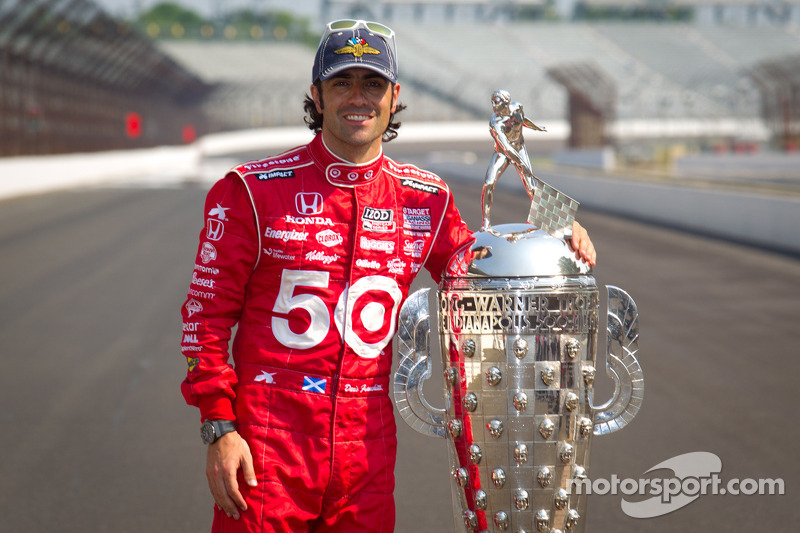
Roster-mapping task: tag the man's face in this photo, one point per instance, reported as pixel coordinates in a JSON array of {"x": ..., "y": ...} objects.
[{"x": 356, "y": 105}]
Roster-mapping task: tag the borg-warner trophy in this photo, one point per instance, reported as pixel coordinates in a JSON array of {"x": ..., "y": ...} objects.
[{"x": 518, "y": 322}]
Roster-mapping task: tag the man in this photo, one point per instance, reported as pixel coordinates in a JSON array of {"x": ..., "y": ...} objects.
[
  {"x": 311, "y": 254},
  {"x": 506, "y": 125}
]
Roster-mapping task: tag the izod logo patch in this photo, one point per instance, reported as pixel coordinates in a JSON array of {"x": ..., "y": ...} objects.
[{"x": 380, "y": 220}]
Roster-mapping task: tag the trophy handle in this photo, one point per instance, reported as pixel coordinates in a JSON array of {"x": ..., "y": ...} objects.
[
  {"x": 622, "y": 364},
  {"x": 414, "y": 367}
]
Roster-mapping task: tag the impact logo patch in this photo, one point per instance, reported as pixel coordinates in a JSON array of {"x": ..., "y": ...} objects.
[
  {"x": 264, "y": 176},
  {"x": 420, "y": 186}
]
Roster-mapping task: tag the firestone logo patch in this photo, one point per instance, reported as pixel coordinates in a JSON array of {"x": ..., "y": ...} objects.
[{"x": 271, "y": 162}]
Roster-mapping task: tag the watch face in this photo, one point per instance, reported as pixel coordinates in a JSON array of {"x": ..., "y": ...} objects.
[{"x": 207, "y": 432}]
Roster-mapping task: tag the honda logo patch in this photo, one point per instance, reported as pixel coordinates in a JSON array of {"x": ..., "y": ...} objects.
[{"x": 308, "y": 203}]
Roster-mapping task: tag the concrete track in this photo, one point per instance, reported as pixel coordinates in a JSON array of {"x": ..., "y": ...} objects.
[{"x": 97, "y": 437}]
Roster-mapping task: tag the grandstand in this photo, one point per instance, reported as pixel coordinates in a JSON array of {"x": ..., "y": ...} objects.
[
  {"x": 448, "y": 71},
  {"x": 704, "y": 12},
  {"x": 74, "y": 79},
  {"x": 71, "y": 73}
]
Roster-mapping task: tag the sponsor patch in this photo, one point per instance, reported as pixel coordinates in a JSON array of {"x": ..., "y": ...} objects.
[
  {"x": 203, "y": 295},
  {"x": 417, "y": 218},
  {"x": 275, "y": 253},
  {"x": 285, "y": 235},
  {"x": 396, "y": 266},
  {"x": 380, "y": 220},
  {"x": 266, "y": 377},
  {"x": 368, "y": 263},
  {"x": 203, "y": 282},
  {"x": 308, "y": 203},
  {"x": 264, "y": 176},
  {"x": 268, "y": 163},
  {"x": 420, "y": 186},
  {"x": 192, "y": 362},
  {"x": 321, "y": 257},
  {"x": 193, "y": 306},
  {"x": 319, "y": 221},
  {"x": 219, "y": 212},
  {"x": 206, "y": 270},
  {"x": 215, "y": 229},
  {"x": 377, "y": 245},
  {"x": 414, "y": 248},
  {"x": 329, "y": 238},
  {"x": 208, "y": 253}
]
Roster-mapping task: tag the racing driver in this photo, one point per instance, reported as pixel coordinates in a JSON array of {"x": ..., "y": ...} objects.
[{"x": 311, "y": 253}]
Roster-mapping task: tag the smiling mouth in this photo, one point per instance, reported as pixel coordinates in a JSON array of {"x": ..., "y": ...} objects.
[{"x": 357, "y": 117}]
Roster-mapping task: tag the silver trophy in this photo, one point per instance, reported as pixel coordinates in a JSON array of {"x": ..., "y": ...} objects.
[{"x": 518, "y": 322}]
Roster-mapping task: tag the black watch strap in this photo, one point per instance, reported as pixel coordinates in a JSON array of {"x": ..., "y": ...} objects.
[{"x": 211, "y": 430}]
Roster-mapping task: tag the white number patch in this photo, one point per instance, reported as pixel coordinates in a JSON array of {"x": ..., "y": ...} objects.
[{"x": 366, "y": 332}]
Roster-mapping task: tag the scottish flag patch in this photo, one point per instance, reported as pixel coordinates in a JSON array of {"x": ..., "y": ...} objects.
[{"x": 313, "y": 384}]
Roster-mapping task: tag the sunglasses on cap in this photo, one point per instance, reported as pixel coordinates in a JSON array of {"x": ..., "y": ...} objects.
[{"x": 353, "y": 24}]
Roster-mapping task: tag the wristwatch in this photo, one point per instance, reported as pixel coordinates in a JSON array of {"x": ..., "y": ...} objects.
[{"x": 211, "y": 430}]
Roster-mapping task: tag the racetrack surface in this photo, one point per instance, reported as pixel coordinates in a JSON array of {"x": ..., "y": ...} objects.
[{"x": 97, "y": 437}]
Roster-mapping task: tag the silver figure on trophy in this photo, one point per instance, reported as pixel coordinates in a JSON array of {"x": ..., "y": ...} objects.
[{"x": 518, "y": 322}]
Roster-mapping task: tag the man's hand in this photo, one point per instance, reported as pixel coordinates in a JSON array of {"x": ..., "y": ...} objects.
[
  {"x": 229, "y": 453},
  {"x": 582, "y": 245}
]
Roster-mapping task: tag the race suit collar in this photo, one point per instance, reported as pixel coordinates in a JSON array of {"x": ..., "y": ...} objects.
[{"x": 341, "y": 172}]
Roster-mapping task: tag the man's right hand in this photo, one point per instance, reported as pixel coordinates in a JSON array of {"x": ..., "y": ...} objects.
[{"x": 225, "y": 456}]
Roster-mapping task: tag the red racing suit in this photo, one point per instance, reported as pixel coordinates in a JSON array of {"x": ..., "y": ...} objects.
[{"x": 312, "y": 257}]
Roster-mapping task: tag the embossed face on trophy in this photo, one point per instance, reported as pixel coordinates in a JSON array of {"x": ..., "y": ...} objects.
[{"x": 518, "y": 324}]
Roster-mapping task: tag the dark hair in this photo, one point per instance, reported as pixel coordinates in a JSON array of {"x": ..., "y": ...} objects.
[{"x": 313, "y": 118}]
